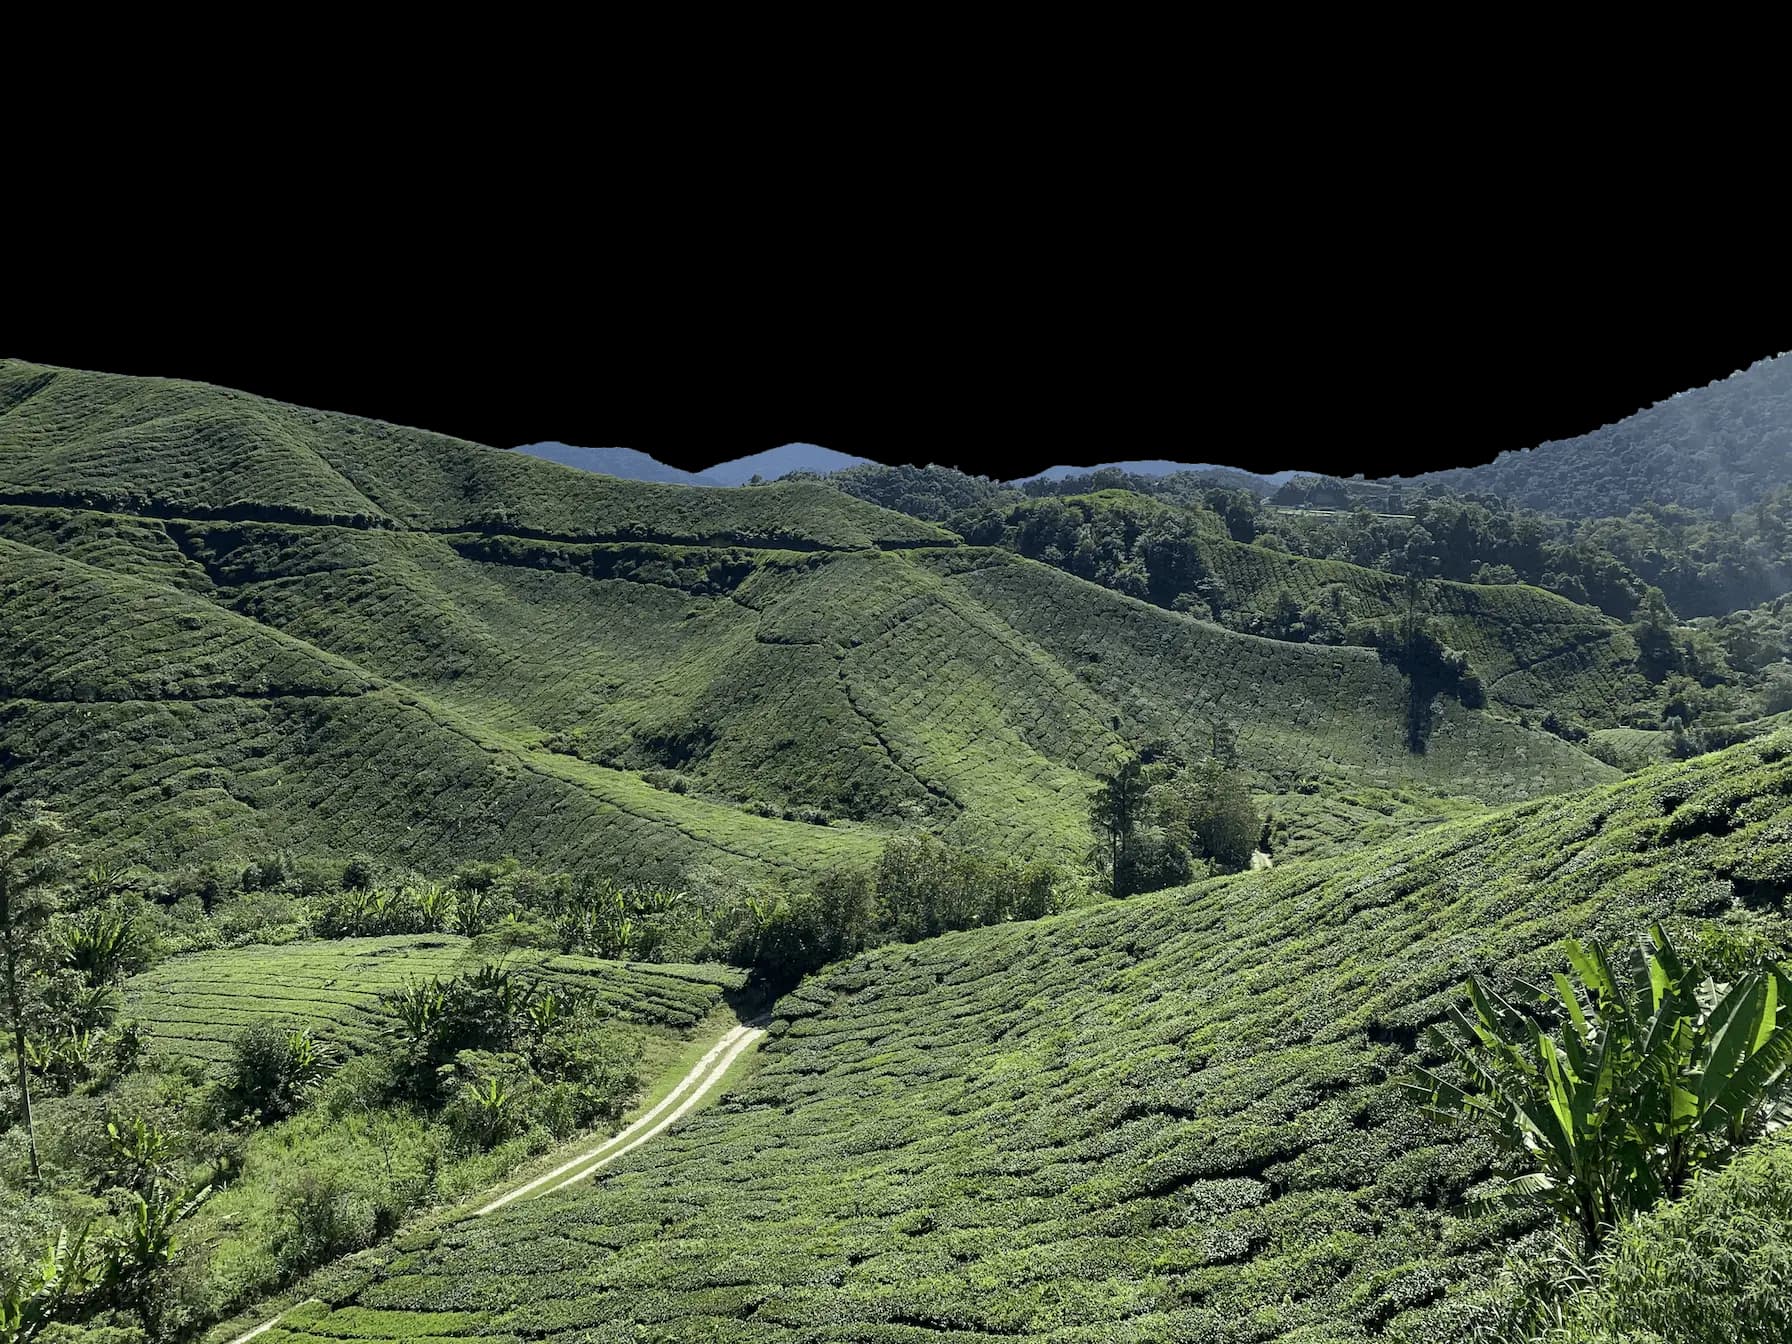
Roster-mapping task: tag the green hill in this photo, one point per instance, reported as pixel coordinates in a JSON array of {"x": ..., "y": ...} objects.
[
  {"x": 160, "y": 447},
  {"x": 1533, "y": 650},
  {"x": 194, "y": 1005},
  {"x": 233, "y": 626},
  {"x": 1170, "y": 1118}
]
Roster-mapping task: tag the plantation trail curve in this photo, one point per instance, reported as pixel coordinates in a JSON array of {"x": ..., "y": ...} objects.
[
  {"x": 684, "y": 1097},
  {"x": 691, "y": 1089}
]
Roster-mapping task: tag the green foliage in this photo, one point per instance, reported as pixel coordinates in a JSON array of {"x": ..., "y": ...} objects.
[
  {"x": 1722, "y": 446},
  {"x": 1712, "y": 1268},
  {"x": 1224, "y": 821},
  {"x": 931, "y": 493},
  {"x": 415, "y": 907},
  {"x": 919, "y": 888},
  {"x": 273, "y": 1071},
  {"x": 275, "y": 661},
  {"x": 51, "y": 1290},
  {"x": 142, "y": 1153},
  {"x": 1156, "y": 821},
  {"x": 1116, "y": 813},
  {"x": 193, "y": 1006},
  {"x": 31, "y": 862},
  {"x": 1659, "y": 1072},
  {"x": 96, "y": 943},
  {"x": 1164, "y": 1116}
]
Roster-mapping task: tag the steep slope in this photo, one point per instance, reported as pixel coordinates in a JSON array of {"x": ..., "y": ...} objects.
[
  {"x": 175, "y": 731},
  {"x": 966, "y": 689},
  {"x": 628, "y": 463},
  {"x": 1533, "y": 649},
  {"x": 1718, "y": 447},
  {"x": 1170, "y": 1118}
]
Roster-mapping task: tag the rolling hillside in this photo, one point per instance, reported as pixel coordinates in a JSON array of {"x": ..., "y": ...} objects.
[
  {"x": 1534, "y": 650},
  {"x": 1169, "y": 1118},
  {"x": 157, "y": 447},
  {"x": 194, "y": 1005},
  {"x": 234, "y": 626}
]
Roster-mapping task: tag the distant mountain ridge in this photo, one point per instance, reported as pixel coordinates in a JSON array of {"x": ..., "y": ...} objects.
[
  {"x": 632, "y": 465},
  {"x": 776, "y": 463},
  {"x": 1720, "y": 448},
  {"x": 627, "y": 463}
]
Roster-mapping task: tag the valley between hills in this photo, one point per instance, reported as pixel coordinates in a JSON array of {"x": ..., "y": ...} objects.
[{"x": 389, "y": 822}]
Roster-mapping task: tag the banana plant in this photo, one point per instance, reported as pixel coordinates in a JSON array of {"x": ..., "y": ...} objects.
[
  {"x": 434, "y": 905},
  {"x": 618, "y": 937},
  {"x": 1657, "y": 1073},
  {"x": 147, "y": 1241},
  {"x": 142, "y": 1152},
  {"x": 472, "y": 913},
  {"x": 51, "y": 1290},
  {"x": 495, "y": 983},
  {"x": 493, "y": 1104},
  {"x": 418, "y": 1007},
  {"x": 308, "y": 1060},
  {"x": 546, "y": 1011},
  {"x": 97, "y": 943}
]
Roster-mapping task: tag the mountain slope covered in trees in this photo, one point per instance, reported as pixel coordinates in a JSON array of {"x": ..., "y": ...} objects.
[{"x": 1720, "y": 447}]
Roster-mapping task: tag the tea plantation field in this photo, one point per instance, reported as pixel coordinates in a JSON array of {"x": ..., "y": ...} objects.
[
  {"x": 194, "y": 1005},
  {"x": 229, "y": 626},
  {"x": 1534, "y": 649},
  {"x": 1169, "y": 1118},
  {"x": 158, "y": 447}
]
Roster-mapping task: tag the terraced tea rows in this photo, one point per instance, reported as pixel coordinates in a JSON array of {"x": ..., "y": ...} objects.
[
  {"x": 1173, "y": 1117},
  {"x": 1298, "y": 710},
  {"x": 1531, "y": 647},
  {"x": 165, "y": 448},
  {"x": 195, "y": 1005},
  {"x": 369, "y": 663}
]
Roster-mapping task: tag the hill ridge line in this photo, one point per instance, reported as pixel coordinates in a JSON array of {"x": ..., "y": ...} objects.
[{"x": 276, "y": 515}]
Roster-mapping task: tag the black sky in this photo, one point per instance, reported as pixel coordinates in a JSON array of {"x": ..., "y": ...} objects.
[{"x": 1382, "y": 375}]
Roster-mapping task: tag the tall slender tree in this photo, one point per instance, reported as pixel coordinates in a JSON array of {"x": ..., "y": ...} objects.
[
  {"x": 30, "y": 865},
  {"x": 1118, "y": 809}
]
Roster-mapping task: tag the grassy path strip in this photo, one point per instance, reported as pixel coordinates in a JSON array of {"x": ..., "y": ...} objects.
[
  {"x": 690, "y": 1090},
  {"x": 701, "y": 1073},
  {"x": 267, "y": 1325},
  {"x": 731, "y": 1050}
]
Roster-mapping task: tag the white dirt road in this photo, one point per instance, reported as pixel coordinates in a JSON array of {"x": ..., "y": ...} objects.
[{"x": 665, "y": 1113}]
